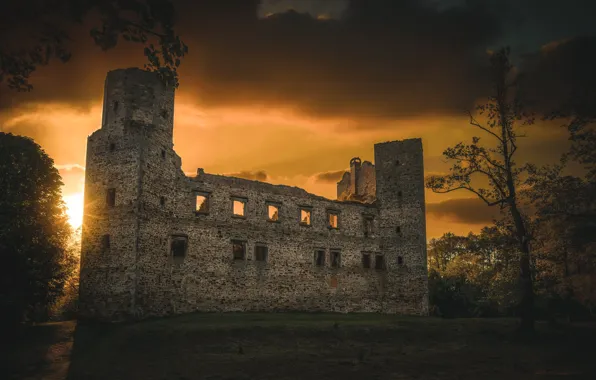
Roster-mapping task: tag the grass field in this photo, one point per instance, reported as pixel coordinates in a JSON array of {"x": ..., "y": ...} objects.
[{"x": 301, "y": 346}]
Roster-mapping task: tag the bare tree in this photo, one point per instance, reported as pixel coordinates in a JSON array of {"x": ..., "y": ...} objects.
[{"x": 496, "y": 166}]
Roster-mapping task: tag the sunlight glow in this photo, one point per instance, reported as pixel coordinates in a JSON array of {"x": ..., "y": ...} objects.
[{"x": 74, "y": 209}]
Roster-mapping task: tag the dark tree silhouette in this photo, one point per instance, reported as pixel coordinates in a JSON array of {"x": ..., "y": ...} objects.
[
  {"x": 497, "y": 167},
  {"x": 34, "y": 231},
  {"x": 473, "y": 275},
  {"x": 565, "y": 221},
  {"x": 33, "y": 32}
]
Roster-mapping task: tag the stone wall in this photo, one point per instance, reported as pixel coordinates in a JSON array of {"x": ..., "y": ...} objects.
[
  {"x": 367, "y": 182},
  {"x": 359, "y": 183},
  {"x": 142, "y": 273},
  {"x": 402, "y": 221},
  {"x": 344, "y": 187}
]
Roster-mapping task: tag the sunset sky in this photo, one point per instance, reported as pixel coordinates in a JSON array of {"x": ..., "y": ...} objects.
[{"x": 288, "y": 91}]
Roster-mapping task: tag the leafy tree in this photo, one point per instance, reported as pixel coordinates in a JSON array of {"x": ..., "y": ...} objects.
[
  {"x": 562, "y": 83},
  {"x": 565, "y": 230},
  {"x": 475, "y": 276},
  {"x": 34, "y": 32},
  {"x": 449, "y": 297},
  {"x": 66, "y": 305},
  {"x": 34, "y": 231},
  {"x": 565, "y": 205},
  {"x": 497, "y": 167},
  {"x": 441, "y": 251}
]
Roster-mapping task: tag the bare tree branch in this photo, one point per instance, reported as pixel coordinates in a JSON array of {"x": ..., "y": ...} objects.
[
  {"x": 502, "y": 115},
  {"x": 488, "y": 202},
  {"x": 477, "y": 124}
]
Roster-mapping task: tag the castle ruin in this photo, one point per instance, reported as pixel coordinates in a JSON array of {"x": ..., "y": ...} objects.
[{"x": 156, "y": 242}]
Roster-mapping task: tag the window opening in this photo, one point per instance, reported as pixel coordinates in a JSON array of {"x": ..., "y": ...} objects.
[
  {"x": 368, "y": 226},
  {"x": 261, "y": 253},
  {"x": 335, "y": 259},
  {"x": 305, "y": 216},
  {"x": 320, "y": 258},
  {"x": 365, "y": 260},
  {"x": 105, "y": 242},
  {"x": 239, "y": 207},
  {"x": 379, "y": 262},
  {"x": 332, "y": 219},
  {"x": 238, "y": 250},
  {"x": 178, "y": 246},
  {"x": 273, "y": 213},
  {"x": 111, "y": 197},
  {"x": 202, "y": 203}
]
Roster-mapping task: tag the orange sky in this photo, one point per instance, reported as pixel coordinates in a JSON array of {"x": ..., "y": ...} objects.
[
  {"x": 291, "y": 98},
  {"x": 290, "y": 148}
]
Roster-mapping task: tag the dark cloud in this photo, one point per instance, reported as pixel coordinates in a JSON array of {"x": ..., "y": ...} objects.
[
  {"x": 561, "y": 76},
  {"x": 255, "y": 176},
  {"x": 382, "y": 59},
  {"x": 529, "y": 24},
  {"x": 465, "y": 210},
  {"x": 326, "y": 8},
  {"x": 329, "y": 177}
]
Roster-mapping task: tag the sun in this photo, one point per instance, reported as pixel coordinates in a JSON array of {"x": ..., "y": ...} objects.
[{"x": 74, "y": 209}]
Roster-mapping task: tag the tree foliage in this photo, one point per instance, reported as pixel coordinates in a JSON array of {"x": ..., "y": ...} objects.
[
  {"x": 34, "y": 232},
  {"x": 33, "y": 32},
  {"x": 482, "y": 282},
  {"x": 495, "y": 165},
  {"x": 476, "y": 276},
  {"x": 564, "y": 227}
]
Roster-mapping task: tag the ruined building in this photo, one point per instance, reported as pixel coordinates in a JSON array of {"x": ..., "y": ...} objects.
[
  {"x": 359, "y": 184},
  {"x": 157, "y": 242}
]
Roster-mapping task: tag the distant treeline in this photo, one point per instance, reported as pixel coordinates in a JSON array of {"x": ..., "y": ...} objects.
[{"x": 476, "y": 275}]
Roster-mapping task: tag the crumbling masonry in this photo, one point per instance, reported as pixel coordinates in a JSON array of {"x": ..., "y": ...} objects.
[{"x": 156, "y": 242}]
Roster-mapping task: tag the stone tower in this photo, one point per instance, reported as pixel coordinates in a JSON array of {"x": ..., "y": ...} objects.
[
  {"x": 359, "y": 183},
  {"x": 399, "y": 171},
  {"x": 355, "y": 165},
  {"x": 122, "y": 175}
]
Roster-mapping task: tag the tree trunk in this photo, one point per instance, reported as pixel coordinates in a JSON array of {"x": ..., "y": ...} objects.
[{"x": 526, "y": 307}]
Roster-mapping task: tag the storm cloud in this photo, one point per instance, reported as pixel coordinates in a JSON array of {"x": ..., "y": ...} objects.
[
  {"x": 381, "y": 59},
  {"x": 561, "y": 77},
  {"x": 373, "y": 59},
  {"x": 463, "y": 210}
]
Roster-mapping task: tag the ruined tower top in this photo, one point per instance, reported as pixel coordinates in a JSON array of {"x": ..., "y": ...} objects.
[
  {"x": 356, "y": 161},
  {"x": 135, "y": 97},
  {"x": 358, "y": 184}
]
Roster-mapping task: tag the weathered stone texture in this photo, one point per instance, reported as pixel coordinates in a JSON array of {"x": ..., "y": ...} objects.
[
  {"x": 359, "y": 184},
  {"x": 138, "y": 276}
]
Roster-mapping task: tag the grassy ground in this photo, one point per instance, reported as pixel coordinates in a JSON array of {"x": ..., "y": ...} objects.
[{"x": 302, "y": 346}]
